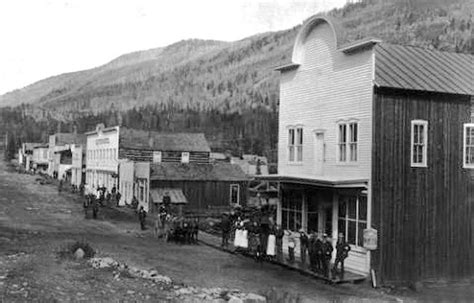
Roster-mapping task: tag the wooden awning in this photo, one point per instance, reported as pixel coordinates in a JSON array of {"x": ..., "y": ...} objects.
[{"x": 176, "y": 194}]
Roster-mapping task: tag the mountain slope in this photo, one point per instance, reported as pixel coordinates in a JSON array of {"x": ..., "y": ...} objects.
[{"x": 227, "y": 90}]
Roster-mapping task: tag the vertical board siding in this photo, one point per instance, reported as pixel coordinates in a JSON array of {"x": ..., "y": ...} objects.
[
  {"x": 202, "y": 195},
  {"x": 424, "y": 215},
  {"x": 328, "y": 86}
]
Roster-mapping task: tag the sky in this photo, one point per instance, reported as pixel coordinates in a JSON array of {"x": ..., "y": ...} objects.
[{"x": 43, "y": 38}]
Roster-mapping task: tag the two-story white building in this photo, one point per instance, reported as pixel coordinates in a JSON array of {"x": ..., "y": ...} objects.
[
  {"x": 324, "y": 145},
  {"x": 376, "y": 137},
  {"x": 102, "y": 158}
]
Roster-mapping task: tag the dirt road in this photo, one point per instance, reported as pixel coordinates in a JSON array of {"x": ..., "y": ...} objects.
[{"x": 36, "y": 222}]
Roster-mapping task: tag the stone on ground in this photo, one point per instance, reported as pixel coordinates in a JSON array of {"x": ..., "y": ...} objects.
[{"x": 79, "y": 253}]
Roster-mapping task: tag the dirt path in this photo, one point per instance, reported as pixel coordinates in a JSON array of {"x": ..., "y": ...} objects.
[{"x": 38, "y": 221}]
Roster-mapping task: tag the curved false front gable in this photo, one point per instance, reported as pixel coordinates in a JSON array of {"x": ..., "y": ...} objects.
[{"x": 326, "y": 86}]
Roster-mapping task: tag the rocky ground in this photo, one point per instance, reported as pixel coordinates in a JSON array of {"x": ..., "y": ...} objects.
[{"x": 39, "y": 228}]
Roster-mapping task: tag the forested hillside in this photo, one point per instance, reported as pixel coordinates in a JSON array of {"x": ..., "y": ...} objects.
[{"x": 227, "y": 90}]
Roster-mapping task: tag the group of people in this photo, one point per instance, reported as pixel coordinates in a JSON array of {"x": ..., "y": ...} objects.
[
  {"x": 176, "y": 228},
  {"x": 256, "y": 234},
  {"x": 263, "y": 239},
  {"x": 319, "y": 248}
]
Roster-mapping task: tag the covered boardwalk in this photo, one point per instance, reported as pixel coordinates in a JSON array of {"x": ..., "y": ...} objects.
[{"x": 325, "y": 205}]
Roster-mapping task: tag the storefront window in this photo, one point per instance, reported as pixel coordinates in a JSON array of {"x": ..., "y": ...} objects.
[
  {"x": 292, "y": 207},
  {"x": 353, "y": 218},
  {"x": 312, "y": 216}
]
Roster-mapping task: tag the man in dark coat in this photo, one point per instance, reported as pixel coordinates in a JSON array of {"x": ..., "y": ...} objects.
[
  {"x": 226, "y": 228},
  {"x": 279, "y": 233},
  {"x": 60, "y": 186},
  {"x": 142, "y": 217},
  {"x": 327, "y": 254},
  {"x": 86, "y": 204},
  {"x": 304, "y": 241},
  {"x": 95, "y": 208},
  {"x": 167, "y": 201},
  {"x": 342, "y": 252},
  {"x": 318, "y": 253}
]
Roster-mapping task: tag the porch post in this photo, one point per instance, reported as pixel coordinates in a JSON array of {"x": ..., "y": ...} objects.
[
  {"x": 304, "y": 212},
  {"x": 335, "y": 217},
  {"x": 279, "y": 204}
]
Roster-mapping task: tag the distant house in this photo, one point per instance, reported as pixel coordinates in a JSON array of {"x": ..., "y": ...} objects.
[
  {"x": 376, "y": 141},
  {"x": 40, "y": 158},
  {"x": 78, "y": 164},
  {"x": 61, "y": 142},
  {"x": 25, "y": 154}
]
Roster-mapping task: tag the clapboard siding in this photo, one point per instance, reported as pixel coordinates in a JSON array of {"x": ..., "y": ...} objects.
[
  {"x": 423, "y": 215},
  {"x": 328, "y": 86}
]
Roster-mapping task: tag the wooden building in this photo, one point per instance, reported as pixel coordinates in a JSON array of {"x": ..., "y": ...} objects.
[
  {"x": 374, "y": 136},
  {"x": 201, "y": 186},
  {"x": 109, "y": 149},
  {"x": 57, "y": 143},
  {"x": 40, "y": 158},
  {"x": 25, "y": 154},
  {"x": 78, "y": 164}
]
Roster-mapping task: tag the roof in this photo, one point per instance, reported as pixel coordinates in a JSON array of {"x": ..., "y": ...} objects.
[
  {"x": 31, "y": 145},
  {"x": 197, "y": 172},
  {"x": 42, "y": 145},
  {"x": 415, "y": 68},
  {"x": 139, "y": 139},
  {"x": 341, "y": 182},
  {"x": 397, "y": 66},
  {"x": 176, "y": 195},
  {"x": 69, "y": 138}
]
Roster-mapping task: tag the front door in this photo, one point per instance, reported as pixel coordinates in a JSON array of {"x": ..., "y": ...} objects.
[{"x": 319, "y": 153}]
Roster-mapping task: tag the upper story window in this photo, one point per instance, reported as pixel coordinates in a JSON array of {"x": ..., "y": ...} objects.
[
  {"x": 185, "y": 157},
  {"x": 419, "y": 143},
  {"x": 347, "y": 150},
  {"x": 295, "y": 144},
  {"x": 156, "y": 156},
  {"x": 468, "y": 146}
]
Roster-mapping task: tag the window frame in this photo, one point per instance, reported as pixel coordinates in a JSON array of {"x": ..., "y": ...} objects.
[
  {"x": 297, "y": 211},
  {"x": 185, "y": 157},
  {"x": 465, "y": 147},
  {"x": 232, "y": 186},
  {"x": 295, "y": 144},
  {"x": 351, "y": 139},
  {"x": 157, "y": 156},
  {"x": 424, "y": 144},
  {"x": 357, "y": 220}
]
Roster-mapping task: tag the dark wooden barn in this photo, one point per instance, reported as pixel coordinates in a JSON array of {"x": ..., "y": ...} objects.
[
  {"x": 204, "y": 186},
  {"x": 422, "y": 189}
]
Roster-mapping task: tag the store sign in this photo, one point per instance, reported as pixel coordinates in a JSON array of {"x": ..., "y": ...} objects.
[
  {"x": 102, "y": 141},
  {"x": 370, "y": 239}
]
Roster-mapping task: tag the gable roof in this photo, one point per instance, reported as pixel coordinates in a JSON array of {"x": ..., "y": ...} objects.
[
  {"x": 196, "y": 172},
  {"x": 415, "y": 68},
  {"x": 149, "y": 140}
]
